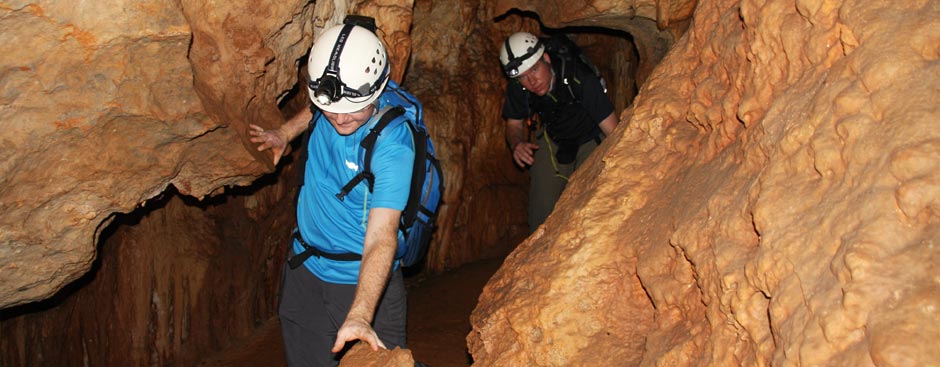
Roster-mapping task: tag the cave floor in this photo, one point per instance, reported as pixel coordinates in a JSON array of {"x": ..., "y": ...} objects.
[{"x": 439, "y": 310}]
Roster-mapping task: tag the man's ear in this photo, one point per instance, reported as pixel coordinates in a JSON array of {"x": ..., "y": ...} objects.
[{"x": 546, "y": 58}]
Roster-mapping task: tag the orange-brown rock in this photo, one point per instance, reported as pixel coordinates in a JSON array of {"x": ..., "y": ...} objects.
[
  {"x": 102, "y": 110},
  {"x": 771, "y": 199},
  {"x": 172, "y": 286},
  {"x": 105, "y": 106},
  {"x": 361, "y": 355},
  {"x": 454, "y": 71},
  {"x": 653, "y": 24}
]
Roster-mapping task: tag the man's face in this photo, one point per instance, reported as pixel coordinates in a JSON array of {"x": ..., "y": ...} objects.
[
  {"x": 538, "y": 79},
  {"x": 348, "y": 123}
]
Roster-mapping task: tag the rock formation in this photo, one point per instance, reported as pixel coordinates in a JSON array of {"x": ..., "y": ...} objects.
[
  {"x": 142, "y": 108},
  {"x": 770, "y": 199},
  {"x": 107, "y": 105},
  {"x": 103, "y": 111}
]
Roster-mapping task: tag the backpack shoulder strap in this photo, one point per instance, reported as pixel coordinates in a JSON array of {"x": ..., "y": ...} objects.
[
  {"x": 567, "y": 74},
  {"x": 410, "y": 213},
  {"x": 387, "y": 115},
  {"x": 306, "y": 141}
]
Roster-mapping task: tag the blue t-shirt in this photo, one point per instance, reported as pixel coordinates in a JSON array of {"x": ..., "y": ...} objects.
[{"x": 337, "y": 226}]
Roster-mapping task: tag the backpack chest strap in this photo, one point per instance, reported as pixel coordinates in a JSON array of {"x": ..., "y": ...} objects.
[{"x": 368, "y": 143}]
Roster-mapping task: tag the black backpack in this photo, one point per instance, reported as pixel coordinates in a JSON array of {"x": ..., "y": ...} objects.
[{"x": 563, "y": 49}]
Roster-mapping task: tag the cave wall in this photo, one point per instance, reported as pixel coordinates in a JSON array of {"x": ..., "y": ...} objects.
[
  {"x": 455, "y": 74},
  {"x": 770, "y": 199},
  {"x": 150, "y": 104},
  {"x": 616, "y": 58},
  {"x": 105, "y": 115},
  {"x": 455, "y": 71},
  {"x": 148, "y": 112},
  {"x": 105, "y": 105},
  {"x": 173, "y": 284}
]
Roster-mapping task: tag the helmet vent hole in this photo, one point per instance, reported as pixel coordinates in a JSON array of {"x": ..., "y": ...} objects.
[{"x": 368, "y": 69}]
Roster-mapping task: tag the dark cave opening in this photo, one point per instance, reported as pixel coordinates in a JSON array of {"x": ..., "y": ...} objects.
[{"x": 614, "y": 52}]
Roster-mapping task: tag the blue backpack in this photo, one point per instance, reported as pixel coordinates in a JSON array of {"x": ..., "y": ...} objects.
[{"x": 419, "y": 218}]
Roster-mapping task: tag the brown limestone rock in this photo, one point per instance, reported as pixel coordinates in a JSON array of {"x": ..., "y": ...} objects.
[
  {"x": 99, "y": 115},
  {"x": 144, "y": 108},
  {"x": 171, "y": 286},
  {"x": 455, "y": 73},
  {"x": 105, "y": 106},
  {"x": 586, "y": 12},
  {"x": 776, "y": 187},
  {"x": 361, "y": 355},
  {"x": 654, "y": 25}
]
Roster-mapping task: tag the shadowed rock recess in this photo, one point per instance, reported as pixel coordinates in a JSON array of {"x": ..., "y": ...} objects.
[{"x": 771, "y": 197}]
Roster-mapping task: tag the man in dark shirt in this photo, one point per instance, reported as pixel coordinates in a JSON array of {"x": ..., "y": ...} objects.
[{"x": 574, "y": 113}]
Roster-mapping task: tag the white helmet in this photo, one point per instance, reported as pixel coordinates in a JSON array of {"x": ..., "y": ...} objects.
[
  {"x": 520, "y": 51},
  {"x": 348, "y": 69}
]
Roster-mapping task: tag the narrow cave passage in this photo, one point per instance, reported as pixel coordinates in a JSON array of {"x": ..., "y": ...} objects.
[
  {"x": 439, "y": 310},
  {"x": 187, "y": 282},
  {"x": 770, "y": 198}
]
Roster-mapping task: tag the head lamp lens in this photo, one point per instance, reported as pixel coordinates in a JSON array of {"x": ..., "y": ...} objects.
[
  {"x": 512, "y": 67},
  {"x": 323, "y": 100},
  {"x": 328, "y": 90}
]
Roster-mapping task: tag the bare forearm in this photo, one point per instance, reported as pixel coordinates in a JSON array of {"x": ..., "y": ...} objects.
[
  {"x": 377, "y": 257},
  {"x": 515, "y": 133},
  {"x": 376, "y": 266},
  {"x": 609, "y": 124},
  {"x": 296, "y": 125}
]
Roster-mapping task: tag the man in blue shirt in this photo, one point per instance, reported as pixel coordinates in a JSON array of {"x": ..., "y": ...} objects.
[{"x": 333, "y": 298}]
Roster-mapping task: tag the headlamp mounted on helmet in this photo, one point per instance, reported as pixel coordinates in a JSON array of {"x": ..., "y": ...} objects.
[
  {"x": 330, "y": 88},
  {"x": 512, "y": 67}
]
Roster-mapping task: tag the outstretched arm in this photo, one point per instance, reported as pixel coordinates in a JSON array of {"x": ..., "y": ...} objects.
[
  {"x": 523, "y": 152},
  {"x": 377, "y": 256},
  {"x": 277, "y": 139}
]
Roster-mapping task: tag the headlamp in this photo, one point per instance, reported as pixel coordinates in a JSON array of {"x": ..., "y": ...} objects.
[
  {"x": 327, "y": 89},
  {"x": 512, "y": 68}
]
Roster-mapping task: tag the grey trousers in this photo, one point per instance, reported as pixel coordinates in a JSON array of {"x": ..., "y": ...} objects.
[
  {"x": 545, "y": 186},
  {"x": 311, "y": 312}
]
